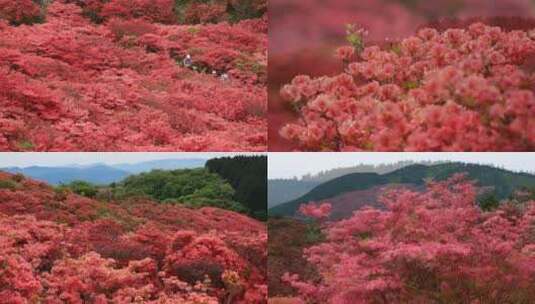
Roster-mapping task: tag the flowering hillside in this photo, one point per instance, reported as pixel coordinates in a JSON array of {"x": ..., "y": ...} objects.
[
  {"x": 113, "y": 76},
  {"x": 58, "y": 247},
  {"x": 435, "y": 246},
  {"x": 468, "y": 89}
]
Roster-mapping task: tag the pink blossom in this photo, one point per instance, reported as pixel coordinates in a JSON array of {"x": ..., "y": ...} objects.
[{"x": 314, "y": 210}]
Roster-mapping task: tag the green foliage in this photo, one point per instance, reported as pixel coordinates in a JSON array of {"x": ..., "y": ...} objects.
[
  {"x": 248, "y": 176},
  {"x": 8, "y": 184},
  {"x": 191, "y": 187},
  {"x": 61, "y": 193},
  {"x": 246, "y": 64},
  {"x": 409, "y": 85},
  {"x": 314, "y": 234},
  {"x": 354, "y": 37},
  {"x": 26, "y": 145},
  {"x": 489, "y": 202},
  {"x": 244, "y": 9},
  {"x": 81, "y": 188},
  {"x": 193, "y": 30}
]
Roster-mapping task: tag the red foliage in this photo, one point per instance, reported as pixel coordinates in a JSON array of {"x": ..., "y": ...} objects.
[
  {"x": 425, "y": 247},
  {"x": 69, "y": 84},
  {"x": 204, "y": 13},
  {"x": 20, "y": 11},
  {"x": 161, "y": 11},
  {"x": 60, "y": 247}
]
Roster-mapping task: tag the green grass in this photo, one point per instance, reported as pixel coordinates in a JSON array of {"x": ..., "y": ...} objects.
[{"x": 8, "y": 184}]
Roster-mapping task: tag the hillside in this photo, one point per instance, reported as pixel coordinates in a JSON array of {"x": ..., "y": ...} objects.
[
  {"x": 503, "y": 181},
  {"x": 284, "y": 190},
  {"x": 58, "y": 245},
  {"x": 432, "y": 245},
  {"x": 111, "y": 75}
]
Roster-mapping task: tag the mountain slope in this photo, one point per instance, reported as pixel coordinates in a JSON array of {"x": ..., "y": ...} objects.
[
  {"x": 504, "y": 182},
  {"x": 125, "y": 249}
]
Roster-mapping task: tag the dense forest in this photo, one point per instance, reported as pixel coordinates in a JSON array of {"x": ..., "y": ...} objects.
[
  {"x": 233, "y": 183},
  {"x": 248, "y": 176}
]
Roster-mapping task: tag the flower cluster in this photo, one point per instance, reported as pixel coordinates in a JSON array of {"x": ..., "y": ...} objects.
[
  {"x": 58, "y": 247},
  {"x": 457, "y": 90},
  {"x": 435, "y": 244},
  {"x": 71, "y": 85},
  {"x": 317, "y": 211}
]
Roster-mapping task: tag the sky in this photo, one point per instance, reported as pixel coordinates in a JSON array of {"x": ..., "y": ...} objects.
[
  {"x": 289, "y": 165},
  {"x": 25, "y": 159}
]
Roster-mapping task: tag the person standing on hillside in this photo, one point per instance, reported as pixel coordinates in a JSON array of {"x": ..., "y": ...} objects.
[{"x": 187, "y": 62}]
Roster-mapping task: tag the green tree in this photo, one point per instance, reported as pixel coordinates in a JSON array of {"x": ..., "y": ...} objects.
[
  {"x": 489, "y": 202},
  {"x": 248, "y": 176},
  {"x": 81, "y": 188},
  {"x": 191, "y": 187}
]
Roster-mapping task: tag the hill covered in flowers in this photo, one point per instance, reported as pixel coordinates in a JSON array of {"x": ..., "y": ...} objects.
[
  {"x": 112, "y": 75},
  {"x": 59, "y": 247},
  {"x": 434, "y": 246}
]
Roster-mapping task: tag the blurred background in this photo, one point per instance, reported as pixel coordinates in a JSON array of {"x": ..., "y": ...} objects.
[{"x": 304, "y": 34}]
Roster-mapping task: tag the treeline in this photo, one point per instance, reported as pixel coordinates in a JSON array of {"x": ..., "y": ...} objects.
[
  {"x": 238, "y": 184},
  {"x": 248, "y": 176}
]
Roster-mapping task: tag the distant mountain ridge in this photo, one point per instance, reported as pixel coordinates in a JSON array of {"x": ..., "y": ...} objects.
[
  {"x": 504, "y": 182},
  {"x": 284, "y": 190},
  {"x": 327, "y": 175},
  {"x": 101, "y": 173},
  {"x": 163, "y": 164}
]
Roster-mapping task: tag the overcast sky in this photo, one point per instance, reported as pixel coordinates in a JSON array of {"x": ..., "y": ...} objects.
[
  {"x": 61, "y": 159},
  {"x": 288, "y": 165}
]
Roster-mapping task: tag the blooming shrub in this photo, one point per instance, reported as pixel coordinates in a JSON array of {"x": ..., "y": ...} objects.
[
  {"x": 20, "y": 12},
  {"x": 201, "y": 11},
  {"x": 72, "y": 85},
  {"x": 430, "y": 246},
  {"x": 174, "y": 12},
  {"x": 313, "y": 210},
  {"x": 67, "y": 248},
  {"x": 457, "y": 90},
  {"x": 160, "y": 11}
]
